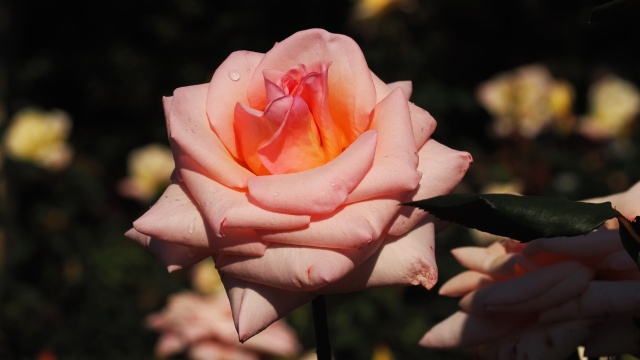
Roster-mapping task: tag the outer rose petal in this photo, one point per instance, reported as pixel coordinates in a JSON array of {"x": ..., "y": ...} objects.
[
  {"x": 395, "y": 163},
  {"x": 227, "y": 87},
  {"x": 224, "y": 207},
  {"x": 212, "y": 350},
  {"x": 601, "y": 299},
  {"x": 442, "y": 169},
  {"x": 352, "y": 93},
  {"x": 423, "y": 123},
  {"x": 323, "y": 188},
  {"x": 174, "y": 218},
  {"x": 616, "y": 336},
  {"x": 173, "y": 256},
  {"x": 255, "y": 306},
  {"x": 481, "y": 260},
  {"x": 191, "y": 138},
  {"x": 598, "y": 243},
  {"x": 295, "y": 268},
  {"x": 464, "y": 330},
  {"x": 403, "y": 261},
  {"x": 464, "y": 283},
  {"x": 556, "y": 341},
  {"x": 532, "y": 291},
  {"x": 353, "y": 226}
]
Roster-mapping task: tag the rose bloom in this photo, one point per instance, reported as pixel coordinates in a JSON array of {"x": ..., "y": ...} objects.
[
  {"x": 290, "y": 168},
  {"x": 526, "y": 100},
  {"x": 546, "y": 298},
  {"x": 201, "y": 326},
  {"x": 150, "y": 168},
  {"x": 614, "y": 103},
  {"x": 39, "y": 137}
]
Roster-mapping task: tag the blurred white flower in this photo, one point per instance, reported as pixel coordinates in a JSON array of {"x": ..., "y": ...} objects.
[
  {"x": 39, "y": 137},
  {"x": 614, "y": 103},
  {"x": 150, "y": 169},
  {"x": 526, "y": 101}
]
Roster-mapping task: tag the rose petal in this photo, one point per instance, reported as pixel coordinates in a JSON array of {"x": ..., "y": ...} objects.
[
  {"x": 395, "y": 162},
  {"x": 353, "y": 226},
  {"x": 296, "y": 145},
  {"x": 481, "y": 260},
  {"x": 173, "y": 256},
  {"x": 462, "y": 330},
  {"x": 400, "y": 261},
  {"x": 465, "y": 282},
  {"x": 224, "y": 207},
  {"x": 191, "y": 137},
  {"x": 174, "y": 218},
  {"x": 598, "y": 243},
  {"x": 255, "y": 129},
  {"x": 531, "y": 285},
  {"x": 227, "y": 87},
  {"x": 211, "y": 350},
  {"x": 352, "y": 93},
  {"x": 617, "y": 261},
  {"x": 323, "y": 188},
  {"x": 600, "y": 299},
  {"x": 615, "y": 336},
  {"x": 626, "y": 202},
  {"x": 256, "y": 306},
  {"x": 442, "y": 169},
  {"x": 295, "y": 268},
  {"x": 423, "y": 123},
  {"x": 553, "y": 341}
]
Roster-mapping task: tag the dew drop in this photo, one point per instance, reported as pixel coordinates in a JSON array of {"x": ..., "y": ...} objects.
[
  {"x": 332, "y": 184},
  {"x": 234, "y": 75},
  {"x": 192, "y": 227},
  {"x": 386, "y": 155},
  {"x": 422, "y": 130},
  {"x": 276, "y": 194}
]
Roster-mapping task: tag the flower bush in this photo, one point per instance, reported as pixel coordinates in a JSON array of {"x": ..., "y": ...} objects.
[
  {"x": 290, "y": 167},
  {"x": 545, "y": 298}
]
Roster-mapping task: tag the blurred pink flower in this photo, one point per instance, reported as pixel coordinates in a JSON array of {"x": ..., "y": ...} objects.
[
  {"x": 201, "y": 326},
  {"x": 543, "y": 299}
]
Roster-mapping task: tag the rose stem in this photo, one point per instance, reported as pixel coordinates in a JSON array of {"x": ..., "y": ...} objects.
[{"x": 323, "y": 348}]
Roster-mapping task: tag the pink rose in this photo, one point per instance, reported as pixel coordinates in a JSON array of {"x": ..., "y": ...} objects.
[
  {"x": 545, "y": 298},
  {"x": 290, "y": 167},
  {"x": 202, "y": 327}
]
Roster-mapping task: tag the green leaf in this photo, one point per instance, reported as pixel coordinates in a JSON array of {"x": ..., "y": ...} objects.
[
  {"x": 630, "y": 237},
  {"x": 523, "y": 218}
]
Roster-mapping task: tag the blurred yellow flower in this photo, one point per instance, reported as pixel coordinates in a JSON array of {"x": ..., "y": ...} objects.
[
  {"x": 382, "y": 352},
  {"x": 614, "y": 104},
  {"x": 205, "y": 278},
  {"x": 526, "y": 100},
  {"x": 150, "y": 169},
  {"x": 39, "y": 137},
  {"x": 368, "y": 9}
]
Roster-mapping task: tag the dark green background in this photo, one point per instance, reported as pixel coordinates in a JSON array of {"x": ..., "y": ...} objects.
[{"x": 108, "y": 63}]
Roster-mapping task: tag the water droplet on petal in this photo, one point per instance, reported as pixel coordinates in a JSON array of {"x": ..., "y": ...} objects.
[
  {"x": 332, "y": 184},
  {"x": 234, "y": 75},
  {"x": 422, "y": 130},
  {"x": 276, "y": 193},
  {"x": 386, "y": 155},
  {"x": 192, "y": 227}
]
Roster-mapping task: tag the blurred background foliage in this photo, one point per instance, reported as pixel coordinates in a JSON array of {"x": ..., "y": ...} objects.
[{"x": 71, "y": 285}]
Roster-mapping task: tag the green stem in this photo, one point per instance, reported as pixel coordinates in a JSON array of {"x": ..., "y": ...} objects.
[{"x": 323, "y": 347}]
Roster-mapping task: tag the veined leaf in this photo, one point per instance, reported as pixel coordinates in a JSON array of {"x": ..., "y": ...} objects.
[{"x": 523, "y": 218}]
